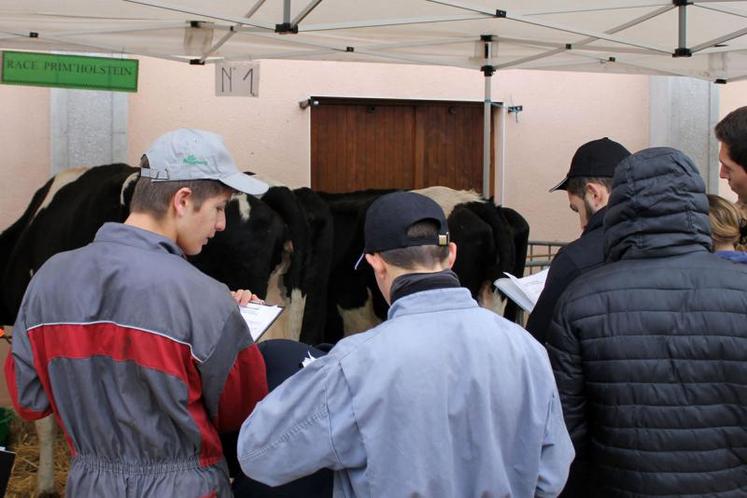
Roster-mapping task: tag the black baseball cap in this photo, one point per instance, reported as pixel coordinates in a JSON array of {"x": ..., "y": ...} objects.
[
  {"x": 390, "y": 216},
  {"x": 595, "y": 159}
]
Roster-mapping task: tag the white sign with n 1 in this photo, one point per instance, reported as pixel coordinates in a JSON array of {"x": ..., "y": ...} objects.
[{"x": 237, "y": 79}]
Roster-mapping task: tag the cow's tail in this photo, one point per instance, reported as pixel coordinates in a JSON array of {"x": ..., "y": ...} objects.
[
  {"x": 511, "y": 236},
  {"x": 520, "y": 229},
  {"x": 317, "y": 264},
  {"x": 520, "y": 234}
]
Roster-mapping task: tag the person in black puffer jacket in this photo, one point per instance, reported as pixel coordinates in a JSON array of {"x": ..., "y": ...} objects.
[{"x": 650, "y": 350}]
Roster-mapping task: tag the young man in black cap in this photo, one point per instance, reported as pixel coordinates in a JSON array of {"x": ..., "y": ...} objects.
[
  {"x": 443, "y": 399},
  {"x": 588, "y": 185}
]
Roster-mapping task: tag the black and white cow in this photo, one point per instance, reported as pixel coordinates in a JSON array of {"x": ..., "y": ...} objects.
[
  {"x": 286, "y": 246},
  {"x": 64, "y": 214},
  {"x": 490, "y": 240},
  {"x": 253, "y": 253},
  {"x": 292, "y": 247},
  {"x": 68, "y": 210}
]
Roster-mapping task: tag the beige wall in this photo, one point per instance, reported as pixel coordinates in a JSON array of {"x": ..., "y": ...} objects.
[
  {"x": 732, "y": 96},
  {"x": 563, "y": 111},
  {"x": 24, "y": 136},
  {"x": 270, "y": 134}
]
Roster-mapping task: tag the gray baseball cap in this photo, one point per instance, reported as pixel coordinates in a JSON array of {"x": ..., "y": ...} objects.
[{"x": 190, "y": 154}]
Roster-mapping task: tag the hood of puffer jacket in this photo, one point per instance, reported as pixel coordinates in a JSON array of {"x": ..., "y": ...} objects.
[{"x": 657, "y": 208}]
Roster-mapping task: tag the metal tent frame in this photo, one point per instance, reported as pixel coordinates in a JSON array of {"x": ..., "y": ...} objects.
[{"x": 704, "y": 39}]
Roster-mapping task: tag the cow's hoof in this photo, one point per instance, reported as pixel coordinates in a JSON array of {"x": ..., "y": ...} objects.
[{"x": 48, "y": 494}]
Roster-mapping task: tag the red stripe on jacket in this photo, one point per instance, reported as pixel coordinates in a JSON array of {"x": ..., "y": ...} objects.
[
  {"x": 34, "y": 414},
  {"x": 146, "y": 349},
  {"x": 245, "y": 386},
  {"x": 10, "y": 380}
]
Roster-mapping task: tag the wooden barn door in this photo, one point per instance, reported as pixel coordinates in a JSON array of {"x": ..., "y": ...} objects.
[{"x": 358, "y": 144}]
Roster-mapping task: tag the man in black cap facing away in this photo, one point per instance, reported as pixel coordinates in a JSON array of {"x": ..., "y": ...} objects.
[
  {"x": 588, "y": 185},
  {"x": 444, "y": 399},
  {"x": 649, "y": 349}
]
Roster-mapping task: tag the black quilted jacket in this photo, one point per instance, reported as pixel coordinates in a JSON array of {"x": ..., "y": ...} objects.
[{"x": 650, "y": 350}]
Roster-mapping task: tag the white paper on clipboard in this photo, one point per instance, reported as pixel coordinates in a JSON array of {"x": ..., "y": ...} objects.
[{"x": 259, "y": 317}]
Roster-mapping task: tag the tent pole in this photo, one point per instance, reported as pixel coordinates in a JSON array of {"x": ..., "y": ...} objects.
[
  {"x": 488, "y": 71},
  {"x": 286, "y": 11},
  {"x": 504, "y": 113},
  {"x": 487, "y": 107},
  {"x": 682, "y": 50},
  {"x": 682, "y": 21}
]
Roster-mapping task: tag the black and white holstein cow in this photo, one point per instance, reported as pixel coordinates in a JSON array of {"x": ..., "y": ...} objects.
[
  {"x": 490, "y": 239},
  {"x": 260, "y": 250},
  {"x": 257, "y": 252},
  {"x": 296, "y": 248}
]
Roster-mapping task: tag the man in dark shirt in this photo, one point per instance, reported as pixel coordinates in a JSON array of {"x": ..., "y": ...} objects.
[
  {"x": 648, "y": 349},
  {"x": 731, "y": 133},
  {"x": 588, "y": 184}
]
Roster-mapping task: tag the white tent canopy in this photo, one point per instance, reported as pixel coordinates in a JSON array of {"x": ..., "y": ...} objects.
[
  {"x": 704, "y": 39},
  {"x": 627, "y": 36}
]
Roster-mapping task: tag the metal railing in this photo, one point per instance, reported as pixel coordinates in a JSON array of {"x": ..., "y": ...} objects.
[{"x": 540, "y": 254}]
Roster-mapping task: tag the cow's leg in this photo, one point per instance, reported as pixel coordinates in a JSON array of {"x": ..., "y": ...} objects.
[
  {"x": 45, "y": 430},
  {"x": 359, "y": 319},
  {"x": 288, "y": 324}
]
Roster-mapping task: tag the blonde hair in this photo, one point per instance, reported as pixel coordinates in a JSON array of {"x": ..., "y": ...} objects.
[{"x": 725, "y": 219}]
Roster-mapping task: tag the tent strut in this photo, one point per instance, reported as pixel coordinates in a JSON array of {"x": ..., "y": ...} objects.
[
  {"x": 230, "y": 34},
  {"x": 305, "y": 12},
  {"x": 160, "y": 5},
  {"x": 582, "y": 43},
  {"x": 558, "y": 27},
  {"x": 718, "y": 41}
]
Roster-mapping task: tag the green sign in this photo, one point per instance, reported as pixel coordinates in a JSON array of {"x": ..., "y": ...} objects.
[{"x": 69, "y": 71}]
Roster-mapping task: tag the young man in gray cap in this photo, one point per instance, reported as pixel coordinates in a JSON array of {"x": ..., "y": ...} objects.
[
  {"x": 444, "y": 399},
  {"x": 588, "y": 184},
  {"x": 142, "y": 358}
]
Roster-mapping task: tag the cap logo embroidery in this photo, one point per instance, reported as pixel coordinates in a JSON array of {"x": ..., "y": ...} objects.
[{"x": 192, "y": 160}]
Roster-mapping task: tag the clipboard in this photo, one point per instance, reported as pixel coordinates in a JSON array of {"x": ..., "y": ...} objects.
[
  {"x": 6, "y": 466},
  {"x": 260, "y": 317}
]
